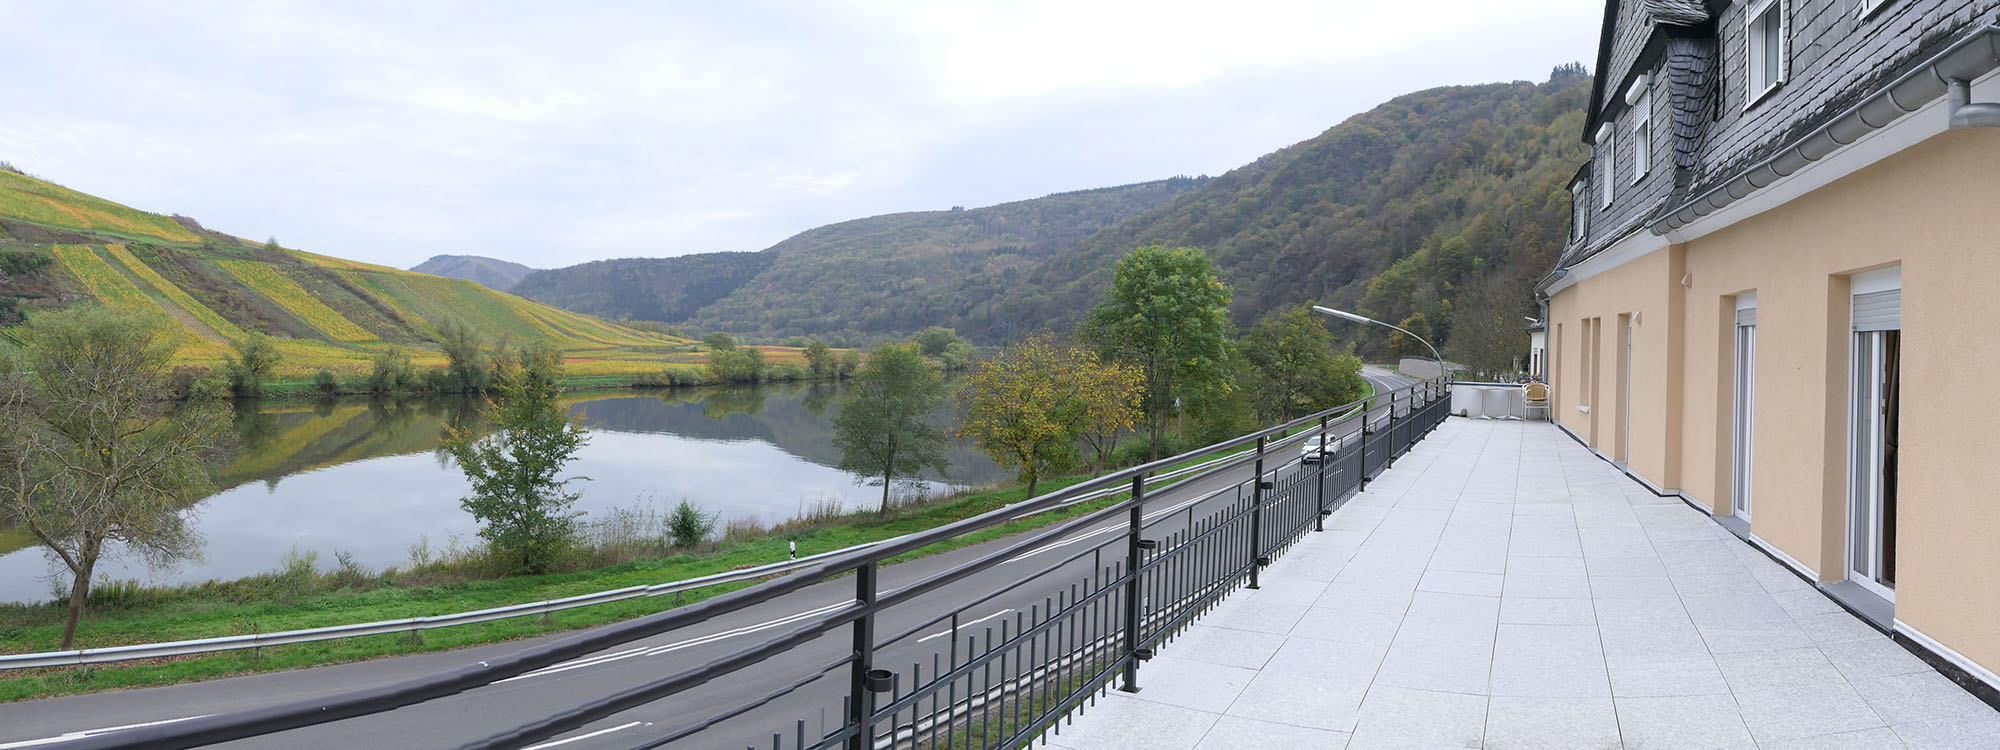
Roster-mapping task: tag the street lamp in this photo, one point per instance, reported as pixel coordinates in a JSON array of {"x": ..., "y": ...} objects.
[{"x": 1359, "y": 319}]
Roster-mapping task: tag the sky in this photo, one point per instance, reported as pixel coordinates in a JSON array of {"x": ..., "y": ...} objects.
[{"x": 557, "y": 133}]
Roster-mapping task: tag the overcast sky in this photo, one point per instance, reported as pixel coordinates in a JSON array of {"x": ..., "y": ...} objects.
[{"x": 555, "y": 133}]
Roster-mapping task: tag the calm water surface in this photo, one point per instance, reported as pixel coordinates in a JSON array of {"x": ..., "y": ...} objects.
[{"x": 366, "y": 479}]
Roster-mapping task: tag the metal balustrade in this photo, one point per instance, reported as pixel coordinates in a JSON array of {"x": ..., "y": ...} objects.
[{"x": 1120, "y": 582}]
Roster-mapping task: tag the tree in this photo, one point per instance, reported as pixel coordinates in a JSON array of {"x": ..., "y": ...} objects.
[
  {"x": 820, "y": 360},
  {"x": 1491, "y": 334},
  {"x": 1113, "y": 393},
  {"x": 850, "y": 363},
  {"x": 1401, "y": 345},
  {"x": 1167, "y": 314},
  {"x": 744, "y": 365},
  {"x": 523, "y": 508},
  {"x": 936, "y": 339},
  {"x": 1293, "y": 370},
  {"x": 94, "y": 449},
  {"x": 1025, "y": 409},
  {"x": 719, "y": 342},
  {"x": 467, "y": 366},
  {"x": 392, "y": 373},
  {"x": 688, "y": 525},
  {"x": 259, "y": 359},
  {"x": 883, "y": 429}
]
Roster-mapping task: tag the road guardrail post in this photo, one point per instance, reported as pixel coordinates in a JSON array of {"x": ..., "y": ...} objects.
[
  {"x": 1132, "y": 585},
  {"x": 861, "y": 695}
]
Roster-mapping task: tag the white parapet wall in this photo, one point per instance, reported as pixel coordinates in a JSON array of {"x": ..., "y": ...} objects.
[{"x": 1488, "y": 400}]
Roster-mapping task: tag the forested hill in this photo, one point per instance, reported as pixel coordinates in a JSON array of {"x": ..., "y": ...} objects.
[
  {"x": 890, "y": 274},
  {"x": 492, "y": 273},
  {"x": 1449, "y": 193}
]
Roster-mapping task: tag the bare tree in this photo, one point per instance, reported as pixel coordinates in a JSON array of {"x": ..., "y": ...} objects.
[{"x": 93, "y": 448}]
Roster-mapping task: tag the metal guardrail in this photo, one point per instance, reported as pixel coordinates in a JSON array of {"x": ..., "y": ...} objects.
[
  {"x": 1077, "y": 624},
  {"x": 406, "y": 625},
  {"x": 133, "y": 652}
]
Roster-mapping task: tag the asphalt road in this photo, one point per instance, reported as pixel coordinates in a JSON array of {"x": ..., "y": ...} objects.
[{"x": 453, "y": 720}]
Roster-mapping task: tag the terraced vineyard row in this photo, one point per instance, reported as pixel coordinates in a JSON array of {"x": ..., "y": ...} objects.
[
  {"x": 45, "y": 203},
  {"x": 284, "y": 291}
]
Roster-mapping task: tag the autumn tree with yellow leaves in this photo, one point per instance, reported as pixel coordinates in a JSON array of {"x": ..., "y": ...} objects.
[{"x": 1028, "y": 407}]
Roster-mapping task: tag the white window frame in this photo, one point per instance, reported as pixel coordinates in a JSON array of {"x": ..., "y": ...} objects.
[
  {"x": 1754, "y": 45},
  {"x": 1579, "y": 199},
  {"x": 1642, "y": 134},
  {"x": 1868, "y": 7}
]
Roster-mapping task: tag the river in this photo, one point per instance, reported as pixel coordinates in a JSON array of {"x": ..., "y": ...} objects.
[{"x": 364, "y": 477}]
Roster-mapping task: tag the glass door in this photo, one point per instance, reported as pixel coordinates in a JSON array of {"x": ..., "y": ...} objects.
[
  {"x": 1745, "y": 411},
  {"x": 1871, "y": 514}
]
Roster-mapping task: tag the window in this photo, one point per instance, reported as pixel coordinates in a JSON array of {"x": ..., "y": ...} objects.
[
  {"x": 1868, "y": 7},
  {"x": 1607, "y": 139},
  {"x": 1642, "y": 134},
  {"x": 1765, "y": 57},
  {"x": 1579, "y": 200}
]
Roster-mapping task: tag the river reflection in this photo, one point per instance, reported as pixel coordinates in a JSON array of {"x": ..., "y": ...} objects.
[{"x": 364, "y": 477}]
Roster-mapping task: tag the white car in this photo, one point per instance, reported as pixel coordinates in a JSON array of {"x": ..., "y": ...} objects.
[{"x": 1309, "y": 452}]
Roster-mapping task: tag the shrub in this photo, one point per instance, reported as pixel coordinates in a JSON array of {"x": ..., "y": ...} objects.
[
  {"x": 326, "y": 383},
  {"x": 688, "y": 525}
]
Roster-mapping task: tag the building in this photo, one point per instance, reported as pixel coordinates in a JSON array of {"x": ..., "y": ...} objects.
[{"x": 1781, "y": 293}]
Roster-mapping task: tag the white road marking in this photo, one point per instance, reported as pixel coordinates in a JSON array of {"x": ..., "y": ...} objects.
[
  {"x": 943, "y": 633},
  {"x": 581, "y": 737},
  {"x": 90, "y": 732},
  {"x": 657, "y": 650}
]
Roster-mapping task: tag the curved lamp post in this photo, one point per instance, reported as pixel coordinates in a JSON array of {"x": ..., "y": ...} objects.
[{"x": 1442, "y": 372}]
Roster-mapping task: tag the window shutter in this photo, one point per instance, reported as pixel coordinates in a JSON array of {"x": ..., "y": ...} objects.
[
  {"x": 1879, "y": 311},
  {"x": 1746, "y": 316}
]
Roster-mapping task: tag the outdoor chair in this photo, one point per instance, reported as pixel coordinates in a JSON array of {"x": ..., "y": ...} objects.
[{"x": 1536, "y": 396}]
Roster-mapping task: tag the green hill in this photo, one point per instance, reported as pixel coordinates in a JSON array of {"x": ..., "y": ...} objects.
[
  {"x": 889, "y": 274},
  {"x": 60, "y": 247},
  {"x": 1427, "y": 198}
]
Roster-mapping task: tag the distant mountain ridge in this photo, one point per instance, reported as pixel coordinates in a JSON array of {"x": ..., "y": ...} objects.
[
  {"x": 1397, "y": 210},
  {"x": 895, "y": 273},
  {"x": 492, "y": 273}
]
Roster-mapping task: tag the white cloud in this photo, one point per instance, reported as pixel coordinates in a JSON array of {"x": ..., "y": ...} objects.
[{"x": 388, "y": 131}]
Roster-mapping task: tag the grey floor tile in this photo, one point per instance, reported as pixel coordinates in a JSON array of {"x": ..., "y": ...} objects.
[
  {"x": 1232, "y": 732},
  {"x": 1459, "y": 582},
  {"x": 1979, "y": 733},
  {"x": 1544, "y": 723},
  {"x": 1549, "y": 661},
  {"x": 1533, "y": 611},
  {"x": 1239, "y": 614},
  {"x": 1123, "y": 722},
  {"x": 1632, "y": 587},
  {"x": 1804, "y": 710},
  {"x": 1192, "y": 684},
  {"x": 1545, "y": 566},
  {"x": 1682, "y": 723},
  {"x": 1923, "y": 696},
  {"x": 1320, "y": 701},
  {"x": 1879, "y": 738},
  {"x": 1396, "y": 717},
  {"x": 1347, "y": 627},
  {"x": 1226, "y": 646},
  {"x": 1547, "y": 586}
]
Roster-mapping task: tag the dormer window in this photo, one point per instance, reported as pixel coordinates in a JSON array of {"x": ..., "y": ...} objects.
[
  {"x": 1640, "y": 96},
  {"x": 1765, "y": 61}
]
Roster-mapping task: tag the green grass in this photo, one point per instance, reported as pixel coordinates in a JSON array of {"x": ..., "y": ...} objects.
[{"x": 270, "y": 604}]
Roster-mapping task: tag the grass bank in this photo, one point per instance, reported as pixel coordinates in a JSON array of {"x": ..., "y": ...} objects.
[{"x": 302, "y": 597}]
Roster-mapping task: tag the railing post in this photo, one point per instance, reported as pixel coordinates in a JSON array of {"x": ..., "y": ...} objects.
[
  {"x": 1367, "y": 431},
  {"x": 1257, "y": 517},
  {"x": 861, "y": 699},
  {"x": 1319, "y": 487},
  {"x": 1132, "y": 585}
]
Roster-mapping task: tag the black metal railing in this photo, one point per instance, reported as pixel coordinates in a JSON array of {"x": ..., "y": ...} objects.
[{"x": 924, "y": 664}]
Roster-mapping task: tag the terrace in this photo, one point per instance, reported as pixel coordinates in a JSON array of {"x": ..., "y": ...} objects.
[{"x": 1503, "y": 587}]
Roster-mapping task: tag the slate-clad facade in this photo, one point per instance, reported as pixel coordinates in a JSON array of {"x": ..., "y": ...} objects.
[{"x": 1785, "y": 313}]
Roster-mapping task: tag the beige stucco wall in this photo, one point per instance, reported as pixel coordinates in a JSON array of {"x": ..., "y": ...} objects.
[
  {"x": 1934, "y": 209},
  {"x": 1637, "y": 290}
]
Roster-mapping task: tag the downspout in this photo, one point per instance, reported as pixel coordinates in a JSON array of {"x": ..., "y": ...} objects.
[{"x": 1966, "y": 114}]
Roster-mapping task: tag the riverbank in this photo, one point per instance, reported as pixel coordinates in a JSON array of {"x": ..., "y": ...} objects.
[{"x": 295, "y": 599}]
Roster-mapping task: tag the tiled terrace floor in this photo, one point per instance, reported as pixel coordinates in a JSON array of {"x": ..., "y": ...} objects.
[{"x": 1501, "y": 587}]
